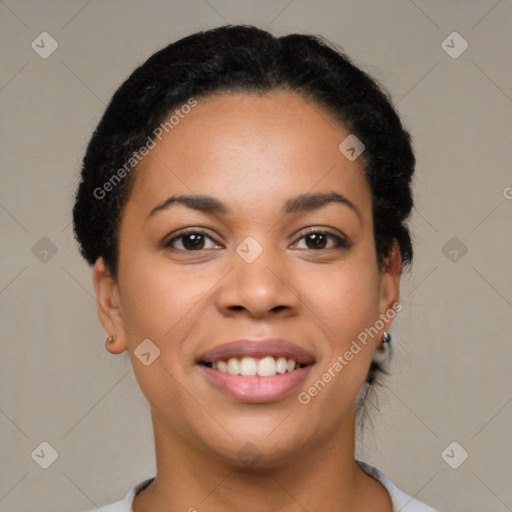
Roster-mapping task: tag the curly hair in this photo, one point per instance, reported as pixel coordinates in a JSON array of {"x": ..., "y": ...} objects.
[{"x": 244, "y": 59}]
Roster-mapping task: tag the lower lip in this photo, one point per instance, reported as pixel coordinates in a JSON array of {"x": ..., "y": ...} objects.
[{"x": 255, "y": 388}]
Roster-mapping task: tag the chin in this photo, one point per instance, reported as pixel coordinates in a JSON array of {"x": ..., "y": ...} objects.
[
  {"x": 260, "y": 454},
  {"x": 263, "y": 448}
]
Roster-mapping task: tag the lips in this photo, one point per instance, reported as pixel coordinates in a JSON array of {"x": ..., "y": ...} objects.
[
  {"x": 256, "y": 370},
  {"x": 273, "y": 347}
]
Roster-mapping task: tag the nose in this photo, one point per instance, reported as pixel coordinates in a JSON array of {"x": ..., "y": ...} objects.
[{"x": 264, "y": 287}]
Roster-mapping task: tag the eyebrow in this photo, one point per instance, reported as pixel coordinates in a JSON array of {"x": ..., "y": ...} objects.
[{"x": 301, "y": 203}]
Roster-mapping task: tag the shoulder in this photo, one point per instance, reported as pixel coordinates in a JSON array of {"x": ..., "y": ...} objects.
[
  {"x": 124, "y": 505},
  {"x": 401, "y": 502},
  {"x": 118, "y": 506}
]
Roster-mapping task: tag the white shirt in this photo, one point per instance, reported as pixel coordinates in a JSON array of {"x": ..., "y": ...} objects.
[{"x": 401, "y": 501}]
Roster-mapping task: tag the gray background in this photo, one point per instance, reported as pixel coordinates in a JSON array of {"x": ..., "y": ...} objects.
[{"x": 451, "y": 376}]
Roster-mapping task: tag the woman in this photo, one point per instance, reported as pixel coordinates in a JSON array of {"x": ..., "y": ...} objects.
[{"x": 244, "y": 203}]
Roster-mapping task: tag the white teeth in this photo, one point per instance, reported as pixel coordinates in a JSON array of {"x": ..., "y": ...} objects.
[
  {"x": 282, "y": 365},
  {"x": 249, "y": 366},
  {"x": 234, "y": 366},
  {"x": 267, "y": 367}
]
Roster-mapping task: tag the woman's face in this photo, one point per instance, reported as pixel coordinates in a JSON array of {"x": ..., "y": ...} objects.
[{"x": 276, "y": 265}]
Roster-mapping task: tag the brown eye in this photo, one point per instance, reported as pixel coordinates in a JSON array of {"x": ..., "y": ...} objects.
[
  {"x": 190, "y": 241},
  {"x": 316, "y": 240},
  {"x": 319, "y": 240}
]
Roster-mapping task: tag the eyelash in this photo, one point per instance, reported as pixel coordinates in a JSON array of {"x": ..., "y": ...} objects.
[{"x": 341, "y": 243}]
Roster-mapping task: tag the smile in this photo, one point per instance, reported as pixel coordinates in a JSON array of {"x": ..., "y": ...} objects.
[
  {"x": 250, "y": 366},
  {"x": 256, "y": 371}
]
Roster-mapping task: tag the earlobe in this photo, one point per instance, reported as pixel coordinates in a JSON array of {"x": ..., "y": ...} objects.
[
  {"x": 114, "y": 346},
  {"x": 109, "y": 311}
]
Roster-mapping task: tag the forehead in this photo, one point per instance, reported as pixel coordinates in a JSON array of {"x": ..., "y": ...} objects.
[{"x": 247, "y": 146}]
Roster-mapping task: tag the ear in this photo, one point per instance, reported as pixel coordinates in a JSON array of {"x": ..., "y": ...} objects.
[
  {"x": 390, "y": 285},
  {"x": 109, "y": 312}
]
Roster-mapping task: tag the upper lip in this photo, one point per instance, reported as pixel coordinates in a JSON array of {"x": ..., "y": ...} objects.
[{"x": 275, "y": 347}]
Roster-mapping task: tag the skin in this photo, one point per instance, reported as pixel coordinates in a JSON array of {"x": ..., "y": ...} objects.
[{"x": 253, "y": 152}]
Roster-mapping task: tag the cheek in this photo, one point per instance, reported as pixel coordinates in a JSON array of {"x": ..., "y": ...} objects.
[
  {"x": 348, "y": 301},
  {"x": 345, "y": 299},
  {"x": 159, "y": 305},
  {"x": 155, "y": 301}
]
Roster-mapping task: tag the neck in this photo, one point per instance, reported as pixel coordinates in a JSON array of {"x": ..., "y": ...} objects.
[{"x": 189, "y": 480}]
